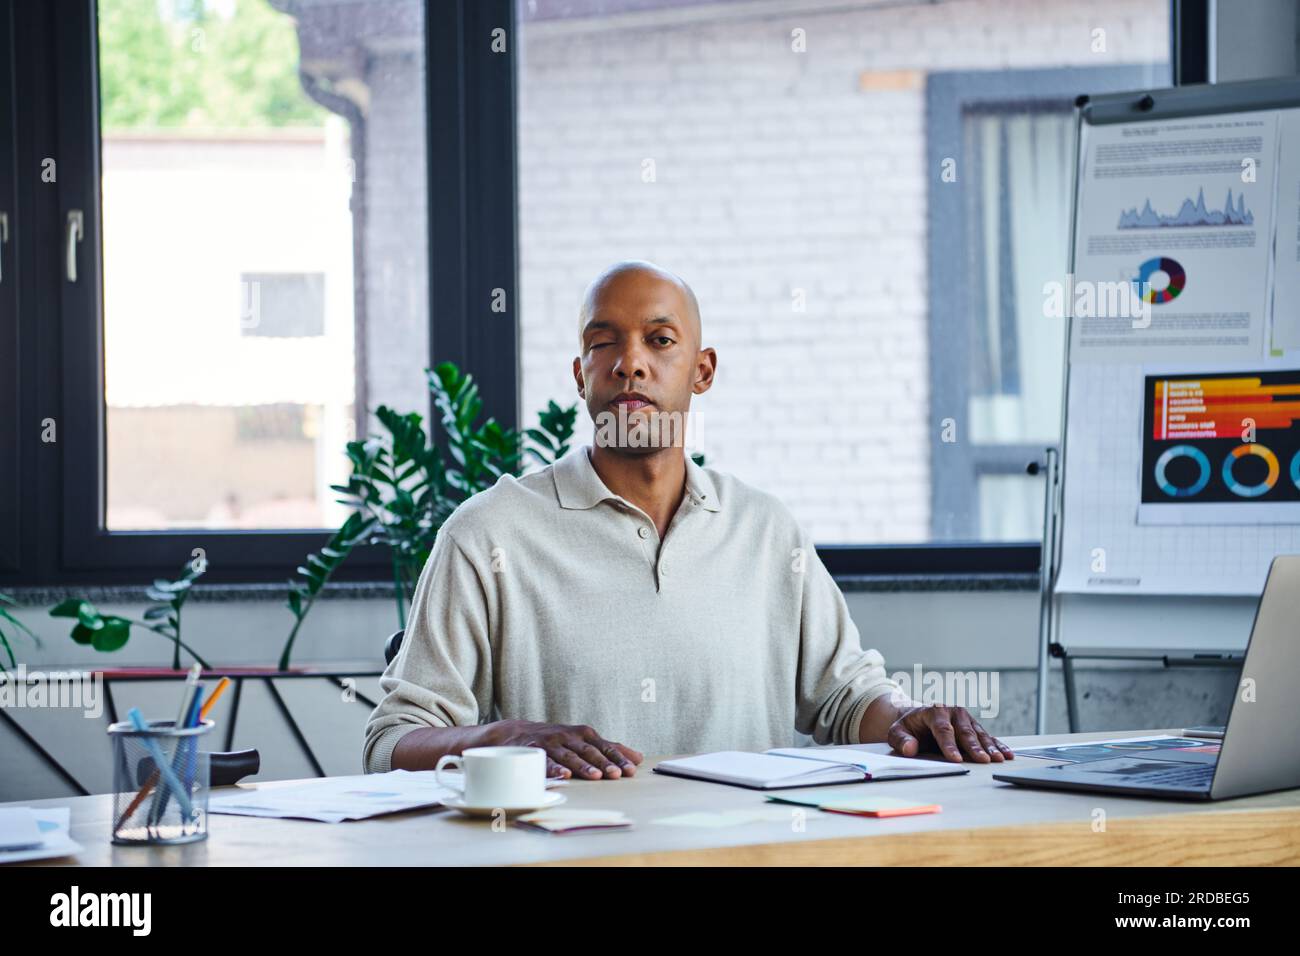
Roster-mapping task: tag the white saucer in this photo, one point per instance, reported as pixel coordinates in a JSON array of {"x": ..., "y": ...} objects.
[{"x": 458, "y": 803}]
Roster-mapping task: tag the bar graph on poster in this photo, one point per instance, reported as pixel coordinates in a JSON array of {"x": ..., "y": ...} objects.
[{"x": 1182, "y": 470}]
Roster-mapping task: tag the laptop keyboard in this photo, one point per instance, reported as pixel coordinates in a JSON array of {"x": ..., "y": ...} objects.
[{"x": 1189, "y": 776}]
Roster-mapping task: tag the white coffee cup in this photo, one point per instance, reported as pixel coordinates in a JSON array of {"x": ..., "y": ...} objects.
[{"x": 498, "y": 776}]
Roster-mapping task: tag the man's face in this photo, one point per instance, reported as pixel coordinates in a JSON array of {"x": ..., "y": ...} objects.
[{"x": 640, "y": 355}]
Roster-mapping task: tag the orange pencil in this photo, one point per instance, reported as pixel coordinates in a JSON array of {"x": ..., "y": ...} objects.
[{"x": 212, "y": 698}]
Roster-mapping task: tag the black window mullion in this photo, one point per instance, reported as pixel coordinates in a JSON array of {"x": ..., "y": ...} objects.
[
  {"x": 470, "y": 91},
  {"x": 80, "y": 427},
  {"x": 10, "y": 385},
  {"x": 1189, "y": 24},
  {"x": 30, "y": 322}
]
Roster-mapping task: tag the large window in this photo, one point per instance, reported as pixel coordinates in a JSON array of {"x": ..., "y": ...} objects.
[
  {"x": 784, "y": 163},
  {"x": 229, "y": 230},
  {"x": 270, "y": 215},
  {"x": 263, "y": 246}
]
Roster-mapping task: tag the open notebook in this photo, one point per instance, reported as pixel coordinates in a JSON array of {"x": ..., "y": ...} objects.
[{"x": 802, "y": 767}]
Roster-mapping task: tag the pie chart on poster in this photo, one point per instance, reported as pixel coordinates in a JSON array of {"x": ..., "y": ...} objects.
[{"x": 1151, "y": 284}]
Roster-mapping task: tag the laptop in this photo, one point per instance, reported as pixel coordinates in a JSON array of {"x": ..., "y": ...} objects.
[{"x": 1260, "y": 751}]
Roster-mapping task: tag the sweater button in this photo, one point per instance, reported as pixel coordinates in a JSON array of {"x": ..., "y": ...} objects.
[{"x": 643, "y": 531}]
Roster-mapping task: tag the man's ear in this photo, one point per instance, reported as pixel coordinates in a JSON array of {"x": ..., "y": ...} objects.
[
  {"x": 577, "y": 377},
  {"x": 706, "y": 366}
]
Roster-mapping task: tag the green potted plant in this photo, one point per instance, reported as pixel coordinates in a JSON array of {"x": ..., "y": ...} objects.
[
  {"x": 403, "y": 485},
  {"x": 110, "y": 632}
]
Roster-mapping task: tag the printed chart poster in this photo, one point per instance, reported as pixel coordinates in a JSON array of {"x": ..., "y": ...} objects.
[
  {"x": 1173, "y": 251},
  {"x": 1221, "y": 448},
  {"x": 1285, "y": 333}
]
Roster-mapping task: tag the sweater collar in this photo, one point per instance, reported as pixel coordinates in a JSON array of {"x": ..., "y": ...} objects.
[{"x": 579, "y": 487}]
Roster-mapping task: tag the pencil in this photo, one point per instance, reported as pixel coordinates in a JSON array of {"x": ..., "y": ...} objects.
[{"x": 212, "y": 698}]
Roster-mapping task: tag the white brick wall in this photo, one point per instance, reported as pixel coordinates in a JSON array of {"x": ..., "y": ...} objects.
[
  {"x": 775, "y": 171},
  {"x": 396, "y": 235}
]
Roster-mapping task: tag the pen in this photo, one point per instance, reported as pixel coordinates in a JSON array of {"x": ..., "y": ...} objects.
[
  {"x": 189, "y": 707},
  {"x": 187, "y": 702},
  {"x": 153, "y": 777},
  {"x": 169, "y": 778}
]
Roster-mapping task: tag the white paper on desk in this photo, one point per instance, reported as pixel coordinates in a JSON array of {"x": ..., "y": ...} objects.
[
  {"x": 55, "y": 824},
  {"x": 712, "y": 819},
  {"x": 19, "y": 829},
  {"x": 880, "y": 766},
  {"x": 335, "y": 799}
]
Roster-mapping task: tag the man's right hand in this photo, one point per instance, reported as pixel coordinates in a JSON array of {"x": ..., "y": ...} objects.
[{"x": 570, "y": 749}]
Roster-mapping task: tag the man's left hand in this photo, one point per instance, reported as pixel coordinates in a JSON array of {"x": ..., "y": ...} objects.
[{"x": 951, "y": 731}]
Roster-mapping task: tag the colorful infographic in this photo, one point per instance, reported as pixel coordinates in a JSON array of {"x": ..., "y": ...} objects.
[
  {"x": 1159, "y": 280},
  {"x": 1164, "y": 206},
  {"x": 1221, "y": 448}
]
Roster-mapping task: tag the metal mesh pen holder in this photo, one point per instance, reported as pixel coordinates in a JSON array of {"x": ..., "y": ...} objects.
[{"x": 153, "y": 805}]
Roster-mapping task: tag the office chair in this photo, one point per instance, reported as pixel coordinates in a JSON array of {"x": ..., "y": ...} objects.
[{"x": 393, "y": 645}]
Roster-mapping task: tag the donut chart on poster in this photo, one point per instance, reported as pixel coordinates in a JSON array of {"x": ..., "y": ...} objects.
[
  {"x": 1259, "y": 488},
  {"x": 1170, "y": 267},
  {"x": 1176, "y": 452}
]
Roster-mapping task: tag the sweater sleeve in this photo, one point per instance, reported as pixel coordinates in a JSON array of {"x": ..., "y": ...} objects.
[
  {"x": 838, "y": 679},
  {"x": 442, "y": 676}
]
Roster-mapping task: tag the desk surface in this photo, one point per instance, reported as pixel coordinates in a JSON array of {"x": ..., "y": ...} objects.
[{"x": 983, "y": 821}]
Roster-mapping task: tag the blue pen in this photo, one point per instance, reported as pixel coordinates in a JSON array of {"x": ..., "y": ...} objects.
[
  {"x": 182, "y": 757},
  {"x": 192, "y": 743},
  {"x": 188, "y": 693},
  {"x": 185, "y": 760},
  {"x": 168, "y": 777}
]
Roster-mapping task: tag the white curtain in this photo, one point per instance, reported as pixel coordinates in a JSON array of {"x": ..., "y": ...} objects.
[{"x": 1021, "y": 210}]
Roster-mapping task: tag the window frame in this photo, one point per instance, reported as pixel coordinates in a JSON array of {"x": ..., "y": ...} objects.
[
  {"x": 471, "y": 251},
  {"x": 949, "y": 97},
  {"x": 11, "y": 460},
  {"x": 1189, "y": 41}
]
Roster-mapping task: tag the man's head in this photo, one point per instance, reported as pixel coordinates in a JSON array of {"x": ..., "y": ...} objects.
[{"x": 639, "y": 337}]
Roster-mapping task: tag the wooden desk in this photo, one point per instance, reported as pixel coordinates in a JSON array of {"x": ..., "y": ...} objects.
[{"x": 983, "y": 822}]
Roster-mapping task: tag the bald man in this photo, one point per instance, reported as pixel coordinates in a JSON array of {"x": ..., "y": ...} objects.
[{"x": 625, "y": 600}]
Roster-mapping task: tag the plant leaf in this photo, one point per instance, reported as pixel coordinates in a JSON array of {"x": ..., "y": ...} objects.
[
  {"x": 112, "y": 635},
  {"x": 72, "y": 607}
]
